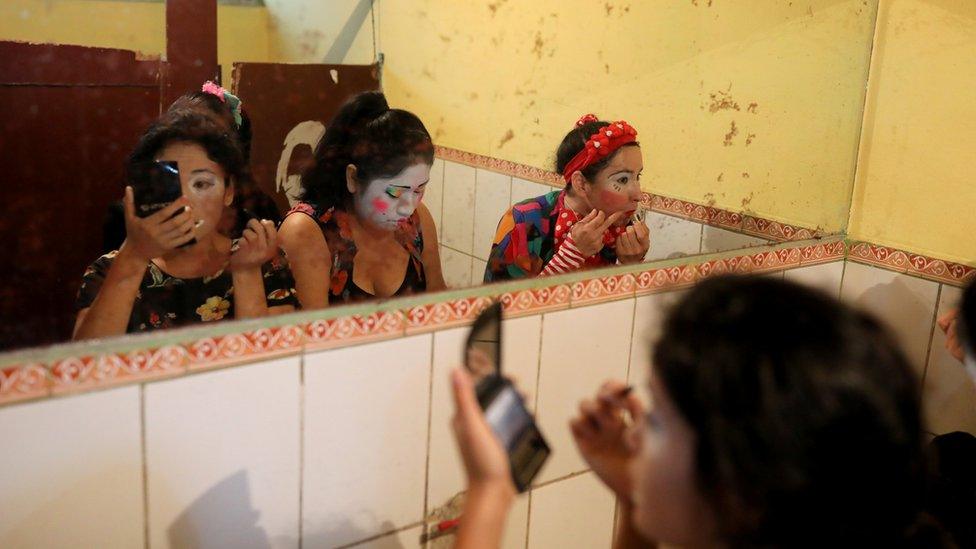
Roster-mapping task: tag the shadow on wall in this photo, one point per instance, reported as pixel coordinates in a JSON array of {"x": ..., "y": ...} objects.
[{"x": 222, "y": 517}]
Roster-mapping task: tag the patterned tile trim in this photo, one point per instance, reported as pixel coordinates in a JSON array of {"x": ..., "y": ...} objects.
[
  {"x": 892, "y": 259},
  {"x": 77, "y": 374},
  {"x": 446, "y": 314},
  {"x": 755, "y": 226}
]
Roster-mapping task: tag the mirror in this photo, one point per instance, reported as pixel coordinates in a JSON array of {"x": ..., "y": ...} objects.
[{"x": 747, "y": 137}]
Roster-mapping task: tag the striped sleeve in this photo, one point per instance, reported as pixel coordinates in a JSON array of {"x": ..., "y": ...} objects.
[{"x": 568, "y": 258}]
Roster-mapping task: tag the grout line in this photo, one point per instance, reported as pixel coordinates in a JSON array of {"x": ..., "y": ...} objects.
[
  {"x": 538, "y": 369},
  {"x": 145, "y": 465},
  {"x": 360, "y": 542},
  {"x": 928, "y": 348},
  {"x": 430, "y": 419},
  {"x": 633, "y": 334},
  {"x": 701, "y": 238},
  {"x": 562, "y": 478},
  {"x": 616, "y": 516},
  {"x": 301, "y": 448},
  {"x": 843, "y": 273},
  {"x": 528, "y": 520}
]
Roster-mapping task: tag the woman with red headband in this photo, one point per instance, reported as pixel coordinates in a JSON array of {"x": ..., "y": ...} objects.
[{"x": 588, "y": 224}]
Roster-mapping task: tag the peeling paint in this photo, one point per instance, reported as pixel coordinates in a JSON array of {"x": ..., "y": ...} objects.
[
  {"x": 722, "y": 101},
  {"x": 749, "y": 139},
  {"x": 752, "y": 108},
  {"x": 509, "y": 135},
  {"x": 733, "y": 131}
]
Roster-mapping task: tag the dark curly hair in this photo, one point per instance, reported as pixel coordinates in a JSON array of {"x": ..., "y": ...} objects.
[
  {"x": 573, "y": 143},
  {"x": 212, "y": 104},
  {"x": 806, "y": 414},
  {"x": 190, "y": 126},
  {"x": 377, "y": 140}
]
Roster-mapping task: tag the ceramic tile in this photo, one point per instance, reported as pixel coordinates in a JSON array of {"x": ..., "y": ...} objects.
[
  {"x": 459, "y": 205},
  {"x": 649, "y": 313},
  {"x": 520, "y": 359},
  {"x": 493, "y": 197},
  {"x": 825, "y": 277},
  {"x": 672, "y": 237},
  {"x": 949, "y": 394},
  {"x": 222, "y": 457},
  {"x": 905, "y": 303},
  {"x": 524, "y": 190},
  {"x": 478, "y": 268},
  {"x": 434, "y": 195},
  {"x": 365, "y": 440},
  {"x": 404, "y": 539},
  {"x": 573, "y": 366},
  {"x": 65, "y": 464},
  {"x": 456, "y": 267},
  {"x": 576, "y": 512},
  {"x": 720, "y": 240}
]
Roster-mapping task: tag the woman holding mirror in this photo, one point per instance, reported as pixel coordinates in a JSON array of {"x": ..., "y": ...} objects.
[
  {"x": 591, "y": 222},
  {"x": 175, "y": 268},
  {"x": 361, "y": 230}
]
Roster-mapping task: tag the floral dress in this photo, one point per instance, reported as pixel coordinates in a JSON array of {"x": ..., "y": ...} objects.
[
  {"x": 165, "y": 301},
  {"x": 334, "y": 224},
  {"x": 526, "y": 239}
]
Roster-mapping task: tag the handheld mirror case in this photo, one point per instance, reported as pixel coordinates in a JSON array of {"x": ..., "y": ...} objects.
[{"x": 503, "y": 405}]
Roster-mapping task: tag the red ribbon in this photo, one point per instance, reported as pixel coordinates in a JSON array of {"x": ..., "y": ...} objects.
[{"x": 600, "y": 145}]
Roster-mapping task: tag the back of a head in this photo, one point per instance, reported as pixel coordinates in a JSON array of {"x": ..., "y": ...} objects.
[
  {"x": 806, "y": 414},
  {"x": 212, "y": 105},
  {"x": 377, "y": 140}
]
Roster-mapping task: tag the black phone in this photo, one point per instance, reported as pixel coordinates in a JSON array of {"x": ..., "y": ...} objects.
[
  {"x": 503, "y": 405},
  {"x": 155, "y": 185}
]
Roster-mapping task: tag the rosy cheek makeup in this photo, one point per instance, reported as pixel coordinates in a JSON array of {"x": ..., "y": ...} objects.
[
  {"x": 613, "y": 200},
  {"x": 380, "y": 205}
]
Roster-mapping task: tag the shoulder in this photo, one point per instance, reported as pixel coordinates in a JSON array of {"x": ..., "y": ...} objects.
[{"x": 426, "y": 220}]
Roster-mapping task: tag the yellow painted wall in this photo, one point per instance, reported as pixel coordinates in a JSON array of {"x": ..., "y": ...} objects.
[
  {"x": 304, "y": 31},
  {"x": 916, "y": 181},
  {"x": 507, "y": 78},
  {"x": 242, "y": 32}
]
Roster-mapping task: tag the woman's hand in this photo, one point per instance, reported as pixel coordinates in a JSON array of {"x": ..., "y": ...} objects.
[
  {"x": 632, "y": 246},
  {"x": 258, "y": 245},
  {"x": 161, "y": 232},
  {"x": 485, "y": 460},
  {"x": 949, "y": 324},
  {"x": 605, "y": 436},
  {"x": 588, "y": 232}
]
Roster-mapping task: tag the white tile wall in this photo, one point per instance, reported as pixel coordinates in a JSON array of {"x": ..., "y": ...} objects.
[
  {"x": 826, "y": 277},
  {"x": 720, "y": 240},
  {"x": 456, "y": 267},
  {"x": 404, "y": 539},
  {"x": 222, "y": 457},
  {"x": 365, "y": 450},
  {"x": 524, "y": 190},
  {"x": 949, "y": 393},
  {"x": 672, "y": 237},
  {"x": 577, "y": 512},
  {"x": 459, "y": 207},
  {"x": 478, "y": 272},
  {"x": 493, "y": 197},
  {"x": 649, "y": 313},
  {"x": 71, "y": 472},
  {"x": 905, "y": 303},
  {"x": 573, "y": 367},
  {"x": 434, "y": 195}
]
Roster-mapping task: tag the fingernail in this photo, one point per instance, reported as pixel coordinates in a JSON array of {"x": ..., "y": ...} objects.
[{"x": 198, "y": 224}]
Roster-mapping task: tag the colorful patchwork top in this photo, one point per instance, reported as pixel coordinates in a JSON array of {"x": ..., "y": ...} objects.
[
  {"x": 526, "y": 239},
  {"x": 334, "y": 224},
  {"x": 166, "y": 301}
]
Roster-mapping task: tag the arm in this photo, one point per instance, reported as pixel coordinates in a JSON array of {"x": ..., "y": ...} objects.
[
  {"x": 146, "y": 238},
  {"x": 309, "y": 258},
  {"x": 109, "y": 314},
  {"x": 431, "y": 256},
  {"x": 258, "y": 245},
  {"x": 627, "y": 537}
]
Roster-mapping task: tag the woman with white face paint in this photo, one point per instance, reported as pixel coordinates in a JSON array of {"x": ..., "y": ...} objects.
[
  {"x": 175, "y": 268},
  {"x": 361, "y": 230}
]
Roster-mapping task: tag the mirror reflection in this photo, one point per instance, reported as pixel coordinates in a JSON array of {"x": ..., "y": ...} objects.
[{"x": 216, "y": 186}]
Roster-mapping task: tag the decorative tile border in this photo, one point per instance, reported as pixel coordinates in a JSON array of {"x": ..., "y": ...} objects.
[
  {"x": 602, "y": 289},
  {"x": 930, "y": 268},
  {"x": 726, "y": 219},
  {"x": 536, "y": 301},
  {"x": 76, "y": 374},
  {"x": 445, "y": 314},
  {"x": 353, "y": 330}
]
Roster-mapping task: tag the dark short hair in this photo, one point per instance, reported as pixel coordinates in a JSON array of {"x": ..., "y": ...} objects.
[
  {"x": 190, "y": 126},
  {"x": 575, "y": 141},
  {"x": 805, "y": 410},
  {"x": 377, "y": 140},
  {"x": 212, "y": 104}
]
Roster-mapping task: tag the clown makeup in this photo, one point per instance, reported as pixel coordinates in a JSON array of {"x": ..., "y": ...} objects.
[
  {"x": 617, "y": 187},
  {"x": 203, "y": 183},
  {"x": 389, "y": 201}
]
